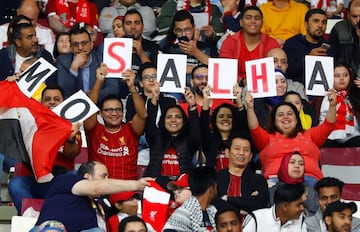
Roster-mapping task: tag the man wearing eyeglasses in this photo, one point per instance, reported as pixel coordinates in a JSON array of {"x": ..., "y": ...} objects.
[
  {"x": 115, "y": 143},
  {"x": 78, "y": 70},
  {"x": 151, "y": 91},
  {"x": 184, "y": 40}
]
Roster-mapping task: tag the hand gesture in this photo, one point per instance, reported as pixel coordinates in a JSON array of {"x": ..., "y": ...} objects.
[
  {"x": 208, "y": 31},
  {"x": 206, "y": 92},
  {"x": 80, "y": 60},
  {"x": 143, "y": 182},
  {"x": 138, "y": 47},
  {"x": 129, "y": 77},
  {"x": 249, "y": 99},
  {"x": 75, "y": 128},
  {"x": 188, "y": 47},
  {"x": 189, "y": 96},
  {"x": 101, "y": 72},
  {"x": 332, "y": 97},
  {"x": 13, "y": 77},
  {"x": 320, "y": 51}
]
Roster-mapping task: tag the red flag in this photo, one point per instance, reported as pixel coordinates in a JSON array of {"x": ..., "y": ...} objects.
[
  {"x": 40, "y": 135},
  {"x": 155, "y": 206}
]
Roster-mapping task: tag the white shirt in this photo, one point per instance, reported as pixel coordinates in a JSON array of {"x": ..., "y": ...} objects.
[{"x": 267, "y": 221}]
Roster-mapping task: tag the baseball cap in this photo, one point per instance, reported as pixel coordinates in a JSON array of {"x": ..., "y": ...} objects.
[
  {"x": 338, "y": 206},
  {"x": 52, "y": 225},
  {"x": 123, "y": 196},
  {"x": 182, "y": 182}
]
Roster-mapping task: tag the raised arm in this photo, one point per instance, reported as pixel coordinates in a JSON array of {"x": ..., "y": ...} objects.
[
  {"x": 108, "y": 186},
  {"x": 94, "y": 93},
  {"x": 251, "y": 115},
  {"x": 331, "y": 115},
  {"x": 139, "y": 119}
]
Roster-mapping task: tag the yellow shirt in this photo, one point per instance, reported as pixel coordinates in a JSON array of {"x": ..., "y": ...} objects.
[
  {"x": 305, "y": 119},
  {"x": 284, "y": 23}
]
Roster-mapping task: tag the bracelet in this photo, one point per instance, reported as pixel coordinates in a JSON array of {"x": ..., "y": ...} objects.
[
  {"x": 133, "y": 92},
  {"x": 240, "y": 108}
]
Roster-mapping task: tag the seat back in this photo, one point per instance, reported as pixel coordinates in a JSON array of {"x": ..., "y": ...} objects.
[{"x": 344, "y": 164}]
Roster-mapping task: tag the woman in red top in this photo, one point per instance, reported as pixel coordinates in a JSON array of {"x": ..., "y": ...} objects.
[{"x": 285, "y": 134}]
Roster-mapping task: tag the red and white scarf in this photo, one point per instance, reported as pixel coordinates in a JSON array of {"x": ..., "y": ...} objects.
[{"x": 344, "y": 115}]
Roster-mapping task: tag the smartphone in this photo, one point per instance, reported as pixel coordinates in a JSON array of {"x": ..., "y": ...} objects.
[
  {"x": 183, "y": 38},
  {"x": 325, "y": 45}
]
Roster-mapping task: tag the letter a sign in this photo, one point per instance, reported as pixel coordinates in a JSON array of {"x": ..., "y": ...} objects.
[{"x": 319, "y": 75}]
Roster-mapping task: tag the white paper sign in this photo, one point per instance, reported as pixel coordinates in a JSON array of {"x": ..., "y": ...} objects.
[
  {"x": 117, "y": 55},
  {"x": 77, "y": 108},
  {"x": 201, "y": 19},
  {"x": 222, "y": 77},
  {"x": 260, "y": 77},
  {"x": 319, "y": 75},
  {"x": 171, "y": 72},
  {"x": 36, "y": 74}
]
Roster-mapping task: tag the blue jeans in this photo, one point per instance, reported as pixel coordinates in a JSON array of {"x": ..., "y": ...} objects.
[
  {"x": 95, "y": 229},
  {"x": 26, "y": 187}
]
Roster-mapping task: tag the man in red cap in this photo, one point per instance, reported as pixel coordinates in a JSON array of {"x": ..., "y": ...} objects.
[{"x": 127, "y": 205}]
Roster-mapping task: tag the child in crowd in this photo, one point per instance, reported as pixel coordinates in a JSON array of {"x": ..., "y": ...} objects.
[{"x": 295, "y": 99}]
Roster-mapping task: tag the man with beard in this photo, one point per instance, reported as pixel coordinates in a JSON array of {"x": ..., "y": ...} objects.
[
  {"x": 77, "y": 70},
  {"x": 338, "y": 216},
  {"x": 198, "y": 81},
  {"x": 300, "y": 45},
  {"x": 24, "y": 46},
  {"x": 143, "y": 50}
]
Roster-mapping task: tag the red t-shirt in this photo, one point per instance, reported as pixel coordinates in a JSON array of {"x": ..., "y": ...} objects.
[
  {"x": 170, "y": 163},
  {"x": 94, "y": 15},
  {"x": 117, "y": 150},
  {"x": 234, "y": 186},
  {"x": 222, "y": 161}
]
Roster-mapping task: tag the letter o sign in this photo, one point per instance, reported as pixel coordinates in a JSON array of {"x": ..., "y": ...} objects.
[{"x": 73, "y": 103}]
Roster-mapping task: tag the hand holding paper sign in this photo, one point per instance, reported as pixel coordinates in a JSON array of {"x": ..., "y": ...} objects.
[
  {"x": 249, "y": 99},
  {"x": 13, "y": 77},
  {"x": 208, "y": 31},
  {"x": 331, "y": 114},
  {"x": 75, "y": 128},
  {"x": 129, "y": 78},
  {"x": 206, "y": 94},
  {"x": 101, "y": 72},
  {"x": 189, "y": 97},
  {"x": 155, "y": 93},
  {"x": 251, "y": 115}
]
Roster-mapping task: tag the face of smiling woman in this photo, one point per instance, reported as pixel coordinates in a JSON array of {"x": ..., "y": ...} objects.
[
  {"x": 174, "y": 121},
  {"x": 285, "y": 120}
]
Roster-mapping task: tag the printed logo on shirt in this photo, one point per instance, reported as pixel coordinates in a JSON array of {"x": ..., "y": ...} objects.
[{"x": 119, "y": 151}]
